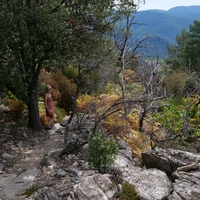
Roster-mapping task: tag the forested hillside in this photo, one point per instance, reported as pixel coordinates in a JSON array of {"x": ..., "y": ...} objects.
[{"x": 163, "y": 26}]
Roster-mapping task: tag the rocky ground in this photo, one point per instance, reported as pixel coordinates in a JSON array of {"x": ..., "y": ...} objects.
[
  {"x": 31, "y": 168},
  {"x": 23, "y": 151}
]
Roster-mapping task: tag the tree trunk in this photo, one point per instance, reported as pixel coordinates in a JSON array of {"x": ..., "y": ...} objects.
[
  {"x": 34, "y": 122},
  {"x": 141, "y": 119}
]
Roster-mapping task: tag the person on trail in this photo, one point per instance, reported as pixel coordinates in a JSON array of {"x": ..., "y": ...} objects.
[{"x": 49, "y": 106}]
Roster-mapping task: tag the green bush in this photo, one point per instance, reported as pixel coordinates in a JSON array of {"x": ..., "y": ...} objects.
[
  {"x": 60, "y": 113},
  {"x": 181, "y": 119},
  {"x": 102, "y": 152},
  {"x": 128, "y": 192},
  {"x": 71, "y": 73}
]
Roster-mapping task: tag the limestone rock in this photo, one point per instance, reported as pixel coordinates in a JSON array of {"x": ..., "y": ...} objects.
[
  {"x": 183, "y": 167},
  {"x": 19, "y": 184},
  {"x": 5, "y": 179},
  {"x": 187, "y": 185},
  {"x": 7, "y": 156},
  {"x": 168, "y": 160},
  {"x": 46, "y": 194},
  {"x": 97, "y": 187},
  {"x": 168, "y": 174},
  {"x": 151, "y": 184}
]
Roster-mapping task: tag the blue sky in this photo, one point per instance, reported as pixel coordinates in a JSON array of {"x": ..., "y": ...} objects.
[{"x": 167, "y": 4}]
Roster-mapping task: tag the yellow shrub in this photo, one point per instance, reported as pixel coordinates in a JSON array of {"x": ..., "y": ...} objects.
[
  {"x": 138, "y": 142},
  {"x": 16, "y": 105},
  {"x": 133, "y": 120},
  {"x": 84, "y": 101}
]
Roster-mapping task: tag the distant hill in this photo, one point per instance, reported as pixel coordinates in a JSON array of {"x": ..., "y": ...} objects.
[{"x": 165, "y": 25}]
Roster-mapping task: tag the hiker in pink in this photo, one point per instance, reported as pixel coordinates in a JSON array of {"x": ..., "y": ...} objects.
[{"x": 49, "y": 106}]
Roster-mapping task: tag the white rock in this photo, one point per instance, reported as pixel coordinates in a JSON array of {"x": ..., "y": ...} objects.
[{"x": 7, "y": 156}]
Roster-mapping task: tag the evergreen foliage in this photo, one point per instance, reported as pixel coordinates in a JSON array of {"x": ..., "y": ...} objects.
[
  {"x": 47, "y": 33},
  {"x": 192, "y": 47},
  {"x": 185, "y": 55},
  {"x": 181, "y": 118},
  {"x": 103, "y": 152}
]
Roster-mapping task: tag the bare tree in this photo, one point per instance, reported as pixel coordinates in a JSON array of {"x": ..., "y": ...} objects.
[
  {"x": 149, "y": 72},
  {"x": 127, "y": 45}
]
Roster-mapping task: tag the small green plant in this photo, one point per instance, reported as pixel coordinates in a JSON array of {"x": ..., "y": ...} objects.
[
  {"x": 102, "y": 152},
  {"x": 128, "y": 192},
  {"x": 30, "y": 191}
]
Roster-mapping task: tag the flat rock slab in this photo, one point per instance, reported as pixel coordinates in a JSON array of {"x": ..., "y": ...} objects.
[
  {"x": 17, "y": 185},
  {"x": 5, "y": 179}
]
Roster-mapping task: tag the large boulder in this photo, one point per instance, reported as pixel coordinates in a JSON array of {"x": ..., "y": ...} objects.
[
  {"x": 182, "y": 167},
  {"x": 151, "y": 184},
  {"x": 168, "y": 160},
  {"x": 98, "y": 187}
]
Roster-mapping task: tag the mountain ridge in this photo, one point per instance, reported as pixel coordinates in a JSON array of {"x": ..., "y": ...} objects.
[{"x": 164, "y": 25}]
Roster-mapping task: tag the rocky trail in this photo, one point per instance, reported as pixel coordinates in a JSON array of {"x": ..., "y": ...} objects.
[
  {"x": 22, "y": 159},
  {"x": 31, "y": 168}
]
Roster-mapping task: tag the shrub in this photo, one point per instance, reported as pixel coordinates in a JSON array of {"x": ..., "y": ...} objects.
[
  {"x": 16, "y": 105},
  {"x": 67, "y": 90},
  {"x": 84, "y": 101},
  {"x": 18, "y": 111},
  {"x": 128, "y": 192},
  {"x": 191, "y": 86},
  {"x": 181, "y": 118},
  {"x": 63, "y": 88},
  {"x": 103, "y": 152},
  {"x": 60, "y": 113},
  {"x": 175, "y": 83}
]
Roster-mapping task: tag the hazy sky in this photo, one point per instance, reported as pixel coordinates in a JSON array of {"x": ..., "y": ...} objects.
[{"x": 167, "y": 4}]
